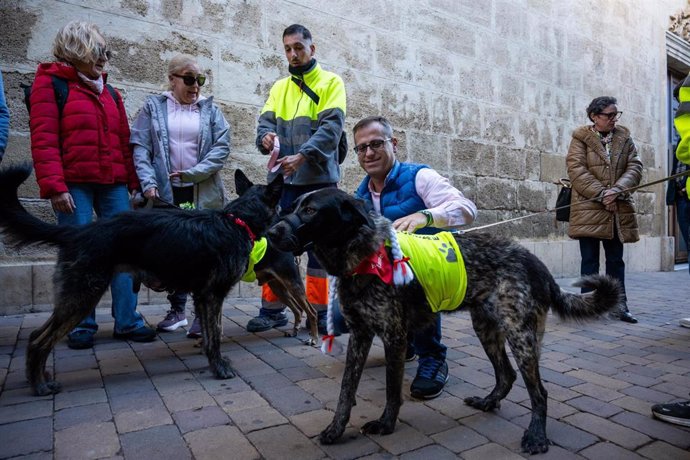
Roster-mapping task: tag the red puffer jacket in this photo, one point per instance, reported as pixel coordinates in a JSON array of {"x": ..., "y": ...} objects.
[{"x": 89, "y": 143}]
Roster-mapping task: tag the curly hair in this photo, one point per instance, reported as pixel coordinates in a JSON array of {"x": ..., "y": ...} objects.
[
  {"x": 77, "y": 42},
  {"x": 598, "y": 105}
]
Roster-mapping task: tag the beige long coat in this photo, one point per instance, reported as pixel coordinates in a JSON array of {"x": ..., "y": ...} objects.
[{"x": 591, "y": 172}]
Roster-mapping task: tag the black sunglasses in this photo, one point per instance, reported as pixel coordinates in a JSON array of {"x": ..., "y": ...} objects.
[{"x": 190, "y": 79}]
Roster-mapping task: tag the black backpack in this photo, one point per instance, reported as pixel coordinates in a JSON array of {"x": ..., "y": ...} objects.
[{"x": 61, "y": 92}]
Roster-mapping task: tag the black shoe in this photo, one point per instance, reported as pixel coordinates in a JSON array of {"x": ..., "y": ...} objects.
[
  {"x": 266, "y": 322},
  {"x": 141, "y": 334},
  {"x": 627, "y": 317},
  {"x": 432, "y": 375},
  {"x": 80, "y": 340},
  {"x": 678, "y": 413}
]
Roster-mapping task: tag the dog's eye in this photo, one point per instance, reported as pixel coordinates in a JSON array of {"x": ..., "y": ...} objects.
[{"x": 309, "y": 211}]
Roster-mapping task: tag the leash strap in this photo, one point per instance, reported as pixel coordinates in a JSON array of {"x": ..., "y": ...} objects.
[
  {"x": 307, "y": 90},
  {"x": 631, "y": 189}
]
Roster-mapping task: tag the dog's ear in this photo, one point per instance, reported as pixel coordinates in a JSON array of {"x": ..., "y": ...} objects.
[
  {"x": 274, "y": 190},
  {"x": 242, "y": 184},
  {"x": 355, "y": 211}
]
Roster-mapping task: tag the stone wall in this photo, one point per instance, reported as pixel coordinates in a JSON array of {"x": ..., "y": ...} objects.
[{"x": 486, "y": 92}]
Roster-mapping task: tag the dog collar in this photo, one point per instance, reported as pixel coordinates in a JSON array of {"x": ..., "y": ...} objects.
[{"x": 243, "y": 224}]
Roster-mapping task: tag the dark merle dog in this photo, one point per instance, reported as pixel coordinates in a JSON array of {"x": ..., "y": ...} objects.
[
  {"x": 202, "y": 252},
  {"x": 509, "y": 292}
]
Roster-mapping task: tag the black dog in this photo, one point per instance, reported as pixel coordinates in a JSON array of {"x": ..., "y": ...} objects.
[
  {"x": 202, "y": 252},
  {"x": 509, "y": 292}
]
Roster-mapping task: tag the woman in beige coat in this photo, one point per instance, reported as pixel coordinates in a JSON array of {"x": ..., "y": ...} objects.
[{"x": 602, "y": 160}]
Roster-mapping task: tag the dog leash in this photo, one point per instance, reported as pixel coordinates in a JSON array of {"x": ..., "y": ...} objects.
[{"x": 546, "y": 211}]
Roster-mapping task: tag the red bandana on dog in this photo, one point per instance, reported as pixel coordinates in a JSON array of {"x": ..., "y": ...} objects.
[{"x": 377, "y": 264}]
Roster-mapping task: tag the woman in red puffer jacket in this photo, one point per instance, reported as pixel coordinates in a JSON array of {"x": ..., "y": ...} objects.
[{"x": 82, "y": 157}]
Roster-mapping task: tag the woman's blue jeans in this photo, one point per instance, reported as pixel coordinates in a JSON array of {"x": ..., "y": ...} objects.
[
  {"x": 613, "y": 250},
  {"x": 107, "y": 201}
]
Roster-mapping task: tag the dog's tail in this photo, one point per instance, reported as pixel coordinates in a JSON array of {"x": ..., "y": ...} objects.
[
  {"x": 15, "y": 221},
  {"x": 606, "y": 295}
]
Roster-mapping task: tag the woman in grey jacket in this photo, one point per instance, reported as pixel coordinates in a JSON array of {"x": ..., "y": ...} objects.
[{"x": 181, "y": 141}]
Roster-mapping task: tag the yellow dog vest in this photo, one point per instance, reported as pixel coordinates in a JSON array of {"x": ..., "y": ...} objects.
[
  {"x": 258, "y": 252},
  {"x": 438, "y": 266}
]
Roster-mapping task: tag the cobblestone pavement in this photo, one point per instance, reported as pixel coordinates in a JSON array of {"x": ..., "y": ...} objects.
[{"x": 157, "y": 400}]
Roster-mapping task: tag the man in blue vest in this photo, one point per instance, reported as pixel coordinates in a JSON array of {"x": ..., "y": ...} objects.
[{"x": 416, "y": 199}]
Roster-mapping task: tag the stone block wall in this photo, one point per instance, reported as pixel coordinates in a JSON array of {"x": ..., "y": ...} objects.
[{"x": 485, "y": 92}]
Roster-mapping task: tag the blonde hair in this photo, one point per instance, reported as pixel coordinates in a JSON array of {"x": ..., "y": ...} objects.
[
  {"x": 179, "y": 62},
  {"x": 77, "y": 42}
]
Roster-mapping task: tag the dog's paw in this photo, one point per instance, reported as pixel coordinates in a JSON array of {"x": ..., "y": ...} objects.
[
  {"x": 310, "y": 341},
  {"x": 534, "y": 443},
  {"x": 377, "y": 427},
  {"x": 223, "y": 370},
  {"x": 292, "y": 333},
  {"x": 483, "y": 404},
  {"x": 47, "y": 388},
  {"x": 331, "y": 434}
]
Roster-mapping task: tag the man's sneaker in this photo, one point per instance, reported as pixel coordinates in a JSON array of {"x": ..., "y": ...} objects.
[
  {"x": 140, "y": 334},
  {"x": 678, "y": 413},
  {"x": 432, "y": 375},
  {"x": 685, "y": 322},
  {"x": 266, "y": 322},
  {"x": 172, "y": 321},
  {"x": 194, "y": 332},
  {"x": 80, "y": 340}
]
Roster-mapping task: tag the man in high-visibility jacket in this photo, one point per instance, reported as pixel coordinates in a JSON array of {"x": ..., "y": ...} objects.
[{"x": 305, "y": 113}]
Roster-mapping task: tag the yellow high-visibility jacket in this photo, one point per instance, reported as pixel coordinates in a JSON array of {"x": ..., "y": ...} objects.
[
  {"x": 305, "y": 127},
  {"x": 682, "y": 123}
]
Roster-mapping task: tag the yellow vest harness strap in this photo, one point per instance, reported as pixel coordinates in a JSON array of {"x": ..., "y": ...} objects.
[
  {"x": 438, "y": 266},
  {"x": 258, "y": 253}
]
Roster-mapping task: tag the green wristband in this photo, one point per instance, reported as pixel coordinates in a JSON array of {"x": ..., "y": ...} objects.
[{"x": 429, "y": 217}]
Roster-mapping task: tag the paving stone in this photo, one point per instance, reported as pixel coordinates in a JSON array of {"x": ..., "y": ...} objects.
[
  {"x": 654, "y": 428},
  {"x": 492, "y": 451},
  {"x": 608, "y": 451},
  {"x": 202, "y": 417},
  {"x": 237, "y": 402},
  {"x": 80, "y": 398},
  {"x": 26, "y": 411},
  {"x": 595, "y": 406},
  {"x": 433, "y": 451},
  {"x": 93, "y": 413},
  {"x": 424, "y": 418},
  {"x": 597, "y": 391},
  {"x": 139, "y": 411},
  {"x": 312, "y": 423},
  {"x": 352, "y": 445},
  {"x": 605, "y": 429},
  {"x": 257, "y": 418},
  {"x": 160, "y": 442},
  {"x": 659, "y": 450},
  {"x": 459, "y": 439},
  {"x": 220, "y": 442},
  {"x": 403, "y": 439},
  {"x": 291, "y": 440},
  {"x": 28, "y": 436},
  {"x": 185, "y": 400},
  {"x": 95, "y": 440}
]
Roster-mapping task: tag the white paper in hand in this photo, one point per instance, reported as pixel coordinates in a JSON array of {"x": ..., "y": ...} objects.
[{"x": 272, "y": 165}]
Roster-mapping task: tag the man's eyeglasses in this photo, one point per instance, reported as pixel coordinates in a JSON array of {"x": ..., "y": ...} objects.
[
  {"x": 615, "y": 116},
  {"x": 190, "y": 79},
  {"x": 102, "y": 51},
  {"x": 375, "y": 145}
]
